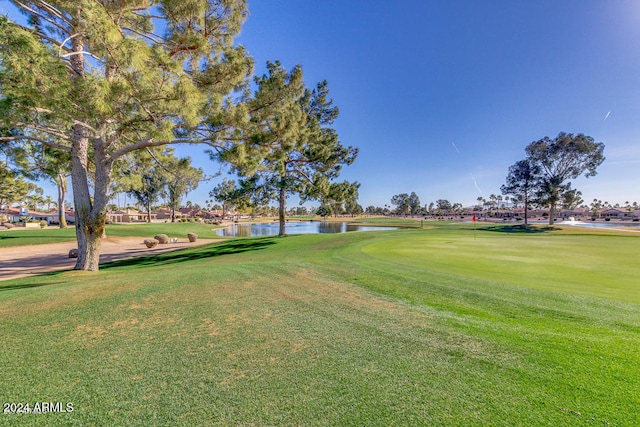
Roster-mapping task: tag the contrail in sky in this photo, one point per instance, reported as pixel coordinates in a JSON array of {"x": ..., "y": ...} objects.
[
  {"x": 607, "y": 116},
  {"x": 456, "y": 148},
  {"x": 475, "y": 183}
]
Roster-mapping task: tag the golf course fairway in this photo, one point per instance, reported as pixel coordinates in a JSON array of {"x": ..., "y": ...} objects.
[{"x": 444, "y": 326}]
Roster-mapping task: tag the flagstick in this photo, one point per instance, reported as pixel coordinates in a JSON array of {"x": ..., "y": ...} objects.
[{"x": 474, "y": 227}]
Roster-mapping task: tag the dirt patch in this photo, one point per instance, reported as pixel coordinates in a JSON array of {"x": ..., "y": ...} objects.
[{"x": 23, "y": 261}]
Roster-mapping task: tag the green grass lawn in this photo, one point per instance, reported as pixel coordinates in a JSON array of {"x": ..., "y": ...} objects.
[
  {"x": 407, "y": 327},
  {"x": 36, "y": 236}
]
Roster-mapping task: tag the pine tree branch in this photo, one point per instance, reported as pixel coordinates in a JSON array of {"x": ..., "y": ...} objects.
[
  {"x": 42, "y": 36},
  {"x": 82, "y": 52},
  {"x": 49, "y": 8},
  {"x": 35, "y": 139},
  {"x": 152, "y": 37},
  {"x": 75, "y": 122},
  {"x": 145, "y": 143},
  {"x": 52, "y": 10},
  {"x": 44, "y": 129}
]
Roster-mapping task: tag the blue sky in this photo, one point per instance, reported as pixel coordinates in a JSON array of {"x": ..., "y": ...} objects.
[{"x": 441, "y": 97}]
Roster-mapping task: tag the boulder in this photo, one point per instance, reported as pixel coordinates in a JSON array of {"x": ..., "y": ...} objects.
[
  {"x": 162, "y": 238},
  {"x": 73, "y": 253},
  {"x": 151, "y": 243},
  {"x": 192, "y": 237}
]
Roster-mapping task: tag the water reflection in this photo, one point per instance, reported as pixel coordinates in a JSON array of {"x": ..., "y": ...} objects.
[{"x": 302, "y": 227}]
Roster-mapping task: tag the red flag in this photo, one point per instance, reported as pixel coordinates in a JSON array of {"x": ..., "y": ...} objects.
[{"x": 474, "y": 218}]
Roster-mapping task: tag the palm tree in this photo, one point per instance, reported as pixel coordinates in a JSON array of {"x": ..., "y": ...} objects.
[
  {"x": 493, "y": 201},
  {"x": 49, "y": 201}
]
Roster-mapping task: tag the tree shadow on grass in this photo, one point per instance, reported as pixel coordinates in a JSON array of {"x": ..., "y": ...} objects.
[
  {"x": 520, "y": 228},
  {"x": 32, "y": 240},
  {"x": 208, "y": 251},
  {"x": 30, "y": 285}
]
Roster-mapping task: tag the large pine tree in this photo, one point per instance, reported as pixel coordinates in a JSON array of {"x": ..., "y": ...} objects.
[
  {"x": 105, "y": 78},
  {"x": 287, "y": 145}
]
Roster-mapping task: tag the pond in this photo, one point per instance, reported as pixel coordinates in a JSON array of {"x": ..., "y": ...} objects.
[
  {"x": 632, "y": 224},
  {"x": 297, "y": 227}
]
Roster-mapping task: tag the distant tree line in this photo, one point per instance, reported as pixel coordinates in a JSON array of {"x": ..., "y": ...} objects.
[
  {"x": 542, "y": 179},
  {"x": 408, "y": 204}
]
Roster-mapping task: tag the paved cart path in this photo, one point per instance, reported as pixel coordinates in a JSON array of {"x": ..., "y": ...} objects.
[{"x": 22, "y": 261}]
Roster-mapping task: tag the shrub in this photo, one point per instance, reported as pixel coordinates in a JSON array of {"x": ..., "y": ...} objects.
[
  {"x": 43, "y": 224},
  {"x": 8, "y": 225},
  {"x": 192, "y": 237},
  {"x": 161, "y": 238},
  {"x": 151, "y": 243}
]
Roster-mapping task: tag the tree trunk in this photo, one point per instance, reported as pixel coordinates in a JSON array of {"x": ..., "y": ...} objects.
[
  {"x": 149, "y": 211},
  {"x": 62, "y": 191},
  {"x": 90, "y": 215},
  {"x": 87, "y": 232},
  {"x": 281, "y": 210},
  {"x": 89, "y": 243},
  {"x": 554, "y": 198}
]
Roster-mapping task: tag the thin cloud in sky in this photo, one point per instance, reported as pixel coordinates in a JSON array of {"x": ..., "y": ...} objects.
[
  {"x": 455, "y": 147},
  {"x": 607, "y": 116},
  {"x": 476, "y": 184}
]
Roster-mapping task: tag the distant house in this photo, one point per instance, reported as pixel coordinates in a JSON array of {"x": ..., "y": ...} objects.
[
  {"x": 18, "y": 214},
  {"x": 204, "y": 214},
  {"x": 576, "y": 213},
  {"x": 162, "y": 213},
  {"x": 505, "y": 213},
  {"x": 69, "y": 216},
  {"x": 615, "y": 214},
  {"x": 128, "y": 215},
  {"x": 188, "y": 212},
  {"x": 13, "y": 215}
]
